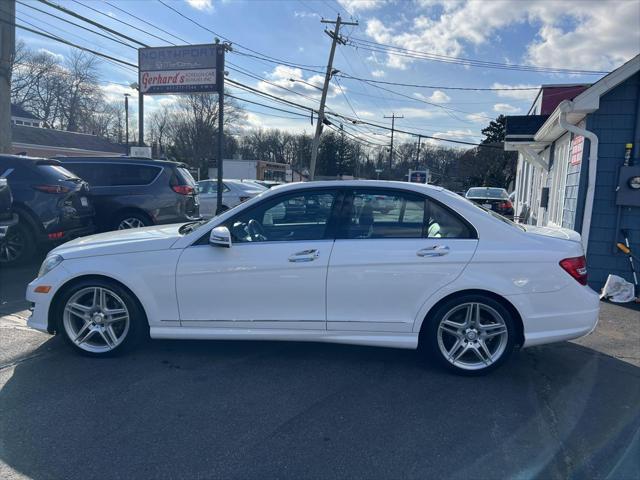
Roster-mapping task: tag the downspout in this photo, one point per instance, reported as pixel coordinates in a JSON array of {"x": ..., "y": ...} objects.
[{"x": 567, "y": 107}]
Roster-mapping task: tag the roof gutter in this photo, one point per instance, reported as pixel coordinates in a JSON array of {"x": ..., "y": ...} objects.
[{"x": 568, "y": 107}]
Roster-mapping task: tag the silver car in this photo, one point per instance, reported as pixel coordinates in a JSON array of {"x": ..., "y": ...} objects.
[{"x": 234, "y": 193}]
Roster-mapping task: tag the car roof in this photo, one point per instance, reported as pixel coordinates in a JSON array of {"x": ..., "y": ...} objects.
[
  {"x": 124, "y": 159},
  {"x": 29, "y": 160},
  {"x": 418, "y": 187}
]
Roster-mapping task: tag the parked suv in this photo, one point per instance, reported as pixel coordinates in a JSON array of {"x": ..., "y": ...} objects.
[
  {"x": 132, "y": 192},
  {"x": 51, "y": 204}
]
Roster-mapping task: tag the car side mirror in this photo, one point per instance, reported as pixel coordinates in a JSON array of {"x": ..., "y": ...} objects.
[{"x": 220, "y": 237}]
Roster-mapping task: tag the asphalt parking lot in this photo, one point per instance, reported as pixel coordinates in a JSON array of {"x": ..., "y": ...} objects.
[{"x": 292, "y": 410}]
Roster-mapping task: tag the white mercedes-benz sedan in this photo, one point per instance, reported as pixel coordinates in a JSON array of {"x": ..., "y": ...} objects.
[{"x": 318, "y": 262}]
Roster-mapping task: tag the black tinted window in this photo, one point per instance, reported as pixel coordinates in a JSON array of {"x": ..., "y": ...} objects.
[
  {"x": 114, "y": 174},
  {"x": 391, "y": 214},
  {"x": 298, "y": 216}
]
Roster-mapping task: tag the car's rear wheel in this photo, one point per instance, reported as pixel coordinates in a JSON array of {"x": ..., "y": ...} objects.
[
  {"x": 131, "y": 220},
  {"x": 100, "y": 318},
  {"x": 17, "y": 245},
  {"x": 470, "y": 334}
]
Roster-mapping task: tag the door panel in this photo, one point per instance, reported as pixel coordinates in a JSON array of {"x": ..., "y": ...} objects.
[
  {"x": 396, "y": 249},
  {"x": 255, "y": 282},
  {"x": 273, "y": 276},
  {"x": 384, "y": 282}
]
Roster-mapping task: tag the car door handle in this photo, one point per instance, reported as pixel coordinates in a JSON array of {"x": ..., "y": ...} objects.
[
  {"x": 434, "y": 251},
  {"x": 305, "y": 256}
]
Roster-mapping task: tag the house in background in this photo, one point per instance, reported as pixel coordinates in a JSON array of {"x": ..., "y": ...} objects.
[
  {"x": 571, "y": 173},
  {"x": 30, "y": 138},
  {"x": 20, "y": 116}
]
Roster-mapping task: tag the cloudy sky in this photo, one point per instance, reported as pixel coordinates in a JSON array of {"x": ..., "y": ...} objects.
[{"x": 417, "y": 42}]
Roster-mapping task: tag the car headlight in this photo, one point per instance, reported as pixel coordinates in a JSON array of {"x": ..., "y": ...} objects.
[{"x": 49, "y": 264}]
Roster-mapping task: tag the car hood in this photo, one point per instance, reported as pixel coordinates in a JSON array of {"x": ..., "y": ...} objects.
[
  {"x": 121, "y": 241},
  {"x": 555, "y": 232}
]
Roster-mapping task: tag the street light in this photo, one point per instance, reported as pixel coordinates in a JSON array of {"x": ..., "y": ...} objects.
[
  {"x": 306, "y": 83},
  {"x": 126, "y": 119}
]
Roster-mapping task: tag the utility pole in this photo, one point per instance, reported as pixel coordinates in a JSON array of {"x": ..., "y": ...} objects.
[
  {"x": 7, "y": 51},
  {"x": 393, "y": 126},
  {"x": 335, "y": 37},
  {"x": 418, "y": 152},
  {"x": 126, "y": 121}
]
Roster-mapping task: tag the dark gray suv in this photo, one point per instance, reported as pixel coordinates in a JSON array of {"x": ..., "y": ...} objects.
[{"x": 130, "y": 192}]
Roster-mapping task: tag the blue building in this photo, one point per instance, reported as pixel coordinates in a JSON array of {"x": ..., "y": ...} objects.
[{"x": 572, "y": 171}]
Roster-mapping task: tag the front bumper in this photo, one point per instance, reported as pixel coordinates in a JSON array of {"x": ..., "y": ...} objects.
[{"x": 41, "y": 302}]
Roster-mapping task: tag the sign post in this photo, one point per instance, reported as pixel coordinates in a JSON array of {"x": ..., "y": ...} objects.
[{"x": 184, "y": 69}]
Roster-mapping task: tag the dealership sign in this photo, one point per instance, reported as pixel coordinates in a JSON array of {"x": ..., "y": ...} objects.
[{"x": 183, "y": 69}]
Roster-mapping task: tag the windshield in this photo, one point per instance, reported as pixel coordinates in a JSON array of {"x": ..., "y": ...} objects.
[{"x": 487, "y": 192}]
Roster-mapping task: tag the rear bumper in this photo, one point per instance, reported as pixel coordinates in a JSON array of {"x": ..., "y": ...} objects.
[{"x": 566, "y": 314}]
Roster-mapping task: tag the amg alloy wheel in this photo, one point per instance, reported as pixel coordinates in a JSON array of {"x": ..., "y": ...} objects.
[
  {"x": 99, "y": 317},
  {"x": 96, "y": 319},
  {"x": 471, "y": 335}
]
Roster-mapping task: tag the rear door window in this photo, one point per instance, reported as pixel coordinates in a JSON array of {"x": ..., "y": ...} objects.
[
  {"x": 392, "y": 214},
  {"x": 101, "y": 174}
]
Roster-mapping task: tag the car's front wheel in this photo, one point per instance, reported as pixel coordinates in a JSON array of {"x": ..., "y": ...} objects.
[
  {"x": 100, "y": 318},
  {"x": 470, "y": 334}
]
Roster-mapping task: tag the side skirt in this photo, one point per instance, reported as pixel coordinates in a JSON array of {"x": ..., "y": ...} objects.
[{"x": 376, "y": 339}]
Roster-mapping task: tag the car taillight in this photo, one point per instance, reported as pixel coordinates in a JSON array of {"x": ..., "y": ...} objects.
[
  {"x": 576, "y": 267},
  {"x": 506, "y": 205},
  {"x": 183, "y": 189},
  {"x": 52, "y": 188},
  {"x": 55, "y": 235}
]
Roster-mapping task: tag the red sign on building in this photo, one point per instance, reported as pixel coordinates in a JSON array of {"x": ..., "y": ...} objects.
[{"x": 577, "y": 145}]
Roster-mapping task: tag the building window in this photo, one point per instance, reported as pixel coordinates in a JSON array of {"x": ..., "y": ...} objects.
[{"x": 559, "y": 181}]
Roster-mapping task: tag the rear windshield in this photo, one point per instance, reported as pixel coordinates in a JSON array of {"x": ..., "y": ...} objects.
[
  {"x": 55, "y": 172},
  {"x": 487, "y": 192},
  {"x": 184, "y": 177}
]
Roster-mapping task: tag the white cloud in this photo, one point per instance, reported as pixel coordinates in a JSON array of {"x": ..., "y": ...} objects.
[
  {"x": 566, "y": 30},
  {"x": 525, "y": 95},
  {"x": 437, "y": 96},
  {"x": 206, "y": 5},
  {"x": 479, "y": 117},
  {"x": 306, "y": 89},
  {"x": 57, "y": 56},
  {"x": 378, "y": 73},
  {"x": 505, "y": 108},
  {"x": 301, "y": 14},
  {"x": 353, "y": 6}
]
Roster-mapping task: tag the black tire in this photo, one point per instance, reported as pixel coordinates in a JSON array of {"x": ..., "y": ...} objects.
[
  {"x": 18, "y": 246},
  {"x": 431, "y": 344},
  {"x": 138, "y": 217},
  {"x": 138, "y": 326}
]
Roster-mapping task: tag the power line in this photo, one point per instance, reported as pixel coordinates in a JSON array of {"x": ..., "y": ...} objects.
[
  {"x": 273, "y": 59},
  {"x": 147, "y": 23},
  {"x": 71, "y": 44},
  {"x": 92, "y": 22},
  {"x": 434, "y": 87},
  {"x": 416, "y": 54},
  {"x": 122, "y": 22},
  {"x": 76, "y": 25}
]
